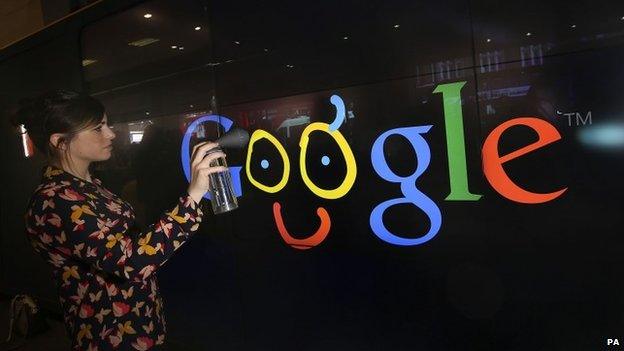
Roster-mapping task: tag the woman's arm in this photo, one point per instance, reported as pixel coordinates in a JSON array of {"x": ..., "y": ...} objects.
[
  {"x": 62, "y": 227},
  {"x": 63, "y": 223}
]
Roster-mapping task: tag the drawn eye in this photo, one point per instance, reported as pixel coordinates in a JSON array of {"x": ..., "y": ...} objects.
[
  {"x": 265, "y": 164},
  {"x": 325, "y": 160}
]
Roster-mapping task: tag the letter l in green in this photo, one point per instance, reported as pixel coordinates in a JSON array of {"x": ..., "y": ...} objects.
[{"x": 455, "y": 144}]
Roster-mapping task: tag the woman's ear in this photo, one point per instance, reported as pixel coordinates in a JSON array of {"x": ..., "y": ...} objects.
[{"x": 58, "y": 141}]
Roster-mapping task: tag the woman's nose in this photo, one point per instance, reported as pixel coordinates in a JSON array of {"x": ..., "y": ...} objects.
[{"x": 111, "y": 134}]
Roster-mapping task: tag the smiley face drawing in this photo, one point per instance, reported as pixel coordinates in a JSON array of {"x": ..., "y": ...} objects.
[{"x": 321, "y": 233}]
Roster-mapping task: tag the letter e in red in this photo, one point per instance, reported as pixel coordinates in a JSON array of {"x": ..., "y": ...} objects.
[{"x": 493, "y": 162}]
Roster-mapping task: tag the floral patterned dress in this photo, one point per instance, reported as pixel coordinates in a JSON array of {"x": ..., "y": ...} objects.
[{"x": 104, "y": 267}]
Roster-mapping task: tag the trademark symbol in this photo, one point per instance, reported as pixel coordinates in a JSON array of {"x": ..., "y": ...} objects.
[{"x": 576, "y": 119}]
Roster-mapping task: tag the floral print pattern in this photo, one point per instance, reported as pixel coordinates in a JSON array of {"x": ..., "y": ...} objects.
[{"x": 103, "y": 266}]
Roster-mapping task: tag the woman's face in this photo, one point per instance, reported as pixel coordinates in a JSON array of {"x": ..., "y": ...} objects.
[{"x": 93, "y": 144}]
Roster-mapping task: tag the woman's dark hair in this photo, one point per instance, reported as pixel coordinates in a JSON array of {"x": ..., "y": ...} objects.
[{"x": 58, "y": 111}]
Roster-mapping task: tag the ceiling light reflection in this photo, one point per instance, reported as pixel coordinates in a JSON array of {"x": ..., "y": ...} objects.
[
  {"x": 87, "y": 62},
  {"x": 143, "y": 42}
]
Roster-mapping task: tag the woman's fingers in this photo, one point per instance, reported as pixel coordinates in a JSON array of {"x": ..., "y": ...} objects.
[
  {"x": 200, "y": 150},
  {"x": 205, "y": 163},
  {"x": 206, "y": 171},
  {"x": 201, "y": 164}
]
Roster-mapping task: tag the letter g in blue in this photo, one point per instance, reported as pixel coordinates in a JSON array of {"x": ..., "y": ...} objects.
[
  {"x": 185, "y": 157},
  {"x": 408, "y": 186}
]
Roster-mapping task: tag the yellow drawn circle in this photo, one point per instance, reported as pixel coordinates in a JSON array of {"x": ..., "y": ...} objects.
[
  {"x": 257, "y": 135},
  {"x": 347, "y": 183}
]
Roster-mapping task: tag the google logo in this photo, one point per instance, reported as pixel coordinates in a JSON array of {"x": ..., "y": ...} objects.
[{"x": 492, "y": 163}]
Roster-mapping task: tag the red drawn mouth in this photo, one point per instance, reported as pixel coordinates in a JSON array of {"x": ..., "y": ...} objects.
[{"x": 309, "y": 242}]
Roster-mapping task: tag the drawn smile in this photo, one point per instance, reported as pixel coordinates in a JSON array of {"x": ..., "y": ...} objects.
[{"x": 309, "y": 242}]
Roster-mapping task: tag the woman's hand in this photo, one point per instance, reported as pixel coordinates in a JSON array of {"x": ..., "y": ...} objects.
[{"x": 200, "y": 169}]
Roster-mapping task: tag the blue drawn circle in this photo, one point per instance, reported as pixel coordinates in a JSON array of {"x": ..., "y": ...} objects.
[
  {"x": 325, "y": 160},
  {"x": 264, "y": 164}
]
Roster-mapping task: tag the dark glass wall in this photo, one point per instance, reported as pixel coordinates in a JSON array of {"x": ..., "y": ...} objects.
[
  {"x": 467, "y": 197},
  {"x": 52, "y": 64}
]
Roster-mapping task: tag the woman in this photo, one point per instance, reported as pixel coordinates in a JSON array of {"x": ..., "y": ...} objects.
[{"x": 103, "y": 266}]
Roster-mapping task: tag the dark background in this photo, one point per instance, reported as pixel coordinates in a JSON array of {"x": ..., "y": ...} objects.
[{"x": 499, "y": 275}]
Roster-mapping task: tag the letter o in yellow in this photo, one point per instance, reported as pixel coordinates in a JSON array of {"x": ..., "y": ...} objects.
[
  {"x": 257, "y": 135},
  {"x": 347, "y": 183}
]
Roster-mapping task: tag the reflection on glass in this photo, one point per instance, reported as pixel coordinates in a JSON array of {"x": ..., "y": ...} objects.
[{"x": 605, "y": 136}]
